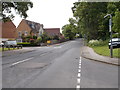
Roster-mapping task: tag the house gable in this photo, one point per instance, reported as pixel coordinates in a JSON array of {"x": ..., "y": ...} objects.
[
  {"x": 31, "y": 27},
  {"x": 8, "y": 30},
  {"x": 52, "y": 31},
  {"x": 23, "y": 27}
]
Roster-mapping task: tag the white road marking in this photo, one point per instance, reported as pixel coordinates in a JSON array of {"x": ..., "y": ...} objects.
[
  {"x": 79, "y": 67},
  {"x": 79, "y": 75},
  {"x": 78, "y": 80},
  {"x": 58, "y": 47},
  {"x": 79, "y": 70},
  {"x": 80, "y": 58},
  {"x": 21, "y": 61},
  {"x": 43, "y": 54},
  {"x": 79, "y": 61},
  {"x": 78, "y": 86}
]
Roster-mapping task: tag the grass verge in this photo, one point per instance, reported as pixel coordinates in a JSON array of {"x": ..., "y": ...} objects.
[
  {"x": 105, "y": 51},
  {"x": 6, "y": 49}
]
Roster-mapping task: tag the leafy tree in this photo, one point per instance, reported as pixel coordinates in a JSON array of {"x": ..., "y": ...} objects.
[
  {"x": 116, "y": 22},
  {"x": 56, "y": 37},
  {"x": 44, "y": 37},
  {"x": 67, "y": 31},
  {"x": 111, "y": 8},
  {"x": 89, "y": 17},
  {"x": 20, "y": 8}
]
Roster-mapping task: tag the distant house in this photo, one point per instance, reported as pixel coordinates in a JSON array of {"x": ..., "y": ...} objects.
[
  {"x": 52, "y": 31},
  {"x": 27, "y": 27},
  {"x": 8, "y": 30}
]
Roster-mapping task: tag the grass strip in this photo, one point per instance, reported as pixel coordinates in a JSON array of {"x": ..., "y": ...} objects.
[
  {"x": 105, "y": 51},
  {"x": 6, "y": 49}
]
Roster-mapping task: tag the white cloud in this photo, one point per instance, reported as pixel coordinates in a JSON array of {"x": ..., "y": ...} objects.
[{"x": 50, "y": 13}]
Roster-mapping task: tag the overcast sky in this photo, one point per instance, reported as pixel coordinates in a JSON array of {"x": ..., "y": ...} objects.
[{"x": 50, "y": 13}]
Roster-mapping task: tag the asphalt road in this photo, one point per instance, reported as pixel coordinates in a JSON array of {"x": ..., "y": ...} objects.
[{"x": 57, "y": 66}]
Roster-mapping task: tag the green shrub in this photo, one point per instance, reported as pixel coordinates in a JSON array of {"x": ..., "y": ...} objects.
[
  {"x": 97, "y": 43},
  {"x": 56, "y": 37},
  {"x": 23, "y": 43},
  {"x": 115, "y": 35}
]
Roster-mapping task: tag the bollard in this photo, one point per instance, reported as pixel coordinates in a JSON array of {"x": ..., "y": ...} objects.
[
  {"x": 18, "y": 46},
  {"x": 2, "y": 47},
  {"x": 8, "y": 47},
  {"x": 13, "y": 47},
  {"x": 21, "y": 46}
]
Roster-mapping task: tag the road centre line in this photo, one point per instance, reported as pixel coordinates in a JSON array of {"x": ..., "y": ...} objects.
[
  {"x": 79, "y": 61},
  {"x": 79, "y": 67},
  {"x": 78, "y": 86},
  {"x": 79, "y": 70},
  {"x": 80, "y": 58},
  {"x": 78, "y": 80},
  {"x": 21, "y": 61},
  {"x": 79, "y": 75}
]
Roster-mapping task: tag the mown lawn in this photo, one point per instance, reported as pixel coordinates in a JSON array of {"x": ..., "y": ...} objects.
[
  {"x": 105, "y": 51},
  {"x": 6, "y": 49}
]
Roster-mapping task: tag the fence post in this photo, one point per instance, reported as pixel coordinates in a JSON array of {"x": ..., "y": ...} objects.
[
  {"x": 8, "y": 47},
  {"x": 2, "y": 47}
]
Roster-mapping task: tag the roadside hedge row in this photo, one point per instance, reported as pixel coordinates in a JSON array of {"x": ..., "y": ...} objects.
[{"x": 26, "y": 44}]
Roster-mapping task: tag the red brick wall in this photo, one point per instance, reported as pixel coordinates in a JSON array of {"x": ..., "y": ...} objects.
[
  {"x": 52, "y": 31},
  {"x": 8, "y": 30},
  {"x": 23, "y": 26}
]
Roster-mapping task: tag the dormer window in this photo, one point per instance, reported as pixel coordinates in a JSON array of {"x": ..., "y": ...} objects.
[{"x": 33, "y": 25}]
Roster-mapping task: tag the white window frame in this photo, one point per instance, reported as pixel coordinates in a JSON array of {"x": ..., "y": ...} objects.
[{"x": 26, "y": 33}]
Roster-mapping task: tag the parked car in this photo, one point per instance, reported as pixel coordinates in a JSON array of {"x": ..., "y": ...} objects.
[
  {"x": 1, "y": 44},
  {"x": 10, "y": 43},
  {"x": 115, "y": 43}
]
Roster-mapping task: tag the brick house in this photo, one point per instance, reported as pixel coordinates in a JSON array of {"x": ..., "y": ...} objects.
[
  {"x": 27, "y": 27},
  {"x": 8, "y": 30},
  {"x": 52, "y": 31}
]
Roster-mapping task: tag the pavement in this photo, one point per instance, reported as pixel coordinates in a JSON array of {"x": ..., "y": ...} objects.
[{"x": 89, "y": 53}]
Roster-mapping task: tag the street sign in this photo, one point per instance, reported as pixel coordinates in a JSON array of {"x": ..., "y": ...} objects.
[{"x": 110, "y": 25}]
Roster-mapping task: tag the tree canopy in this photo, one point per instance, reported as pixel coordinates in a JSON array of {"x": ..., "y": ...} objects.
[
  {"x": 70, "y": 30},
  {"x": 90, "y": 21},
  {"x": 20, "y": 8}
]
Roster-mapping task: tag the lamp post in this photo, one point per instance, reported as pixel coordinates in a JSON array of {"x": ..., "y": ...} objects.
[{"x": 110, "y": 30}]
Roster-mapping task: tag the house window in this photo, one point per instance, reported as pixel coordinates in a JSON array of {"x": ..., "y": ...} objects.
[
  {"x": 33, "y": 26},
  {"x": 19, "y": 34},
  {"x": 26, "y": 33}
]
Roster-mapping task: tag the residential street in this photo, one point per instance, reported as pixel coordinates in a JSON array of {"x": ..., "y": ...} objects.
[{"x": 57, "y": 66}]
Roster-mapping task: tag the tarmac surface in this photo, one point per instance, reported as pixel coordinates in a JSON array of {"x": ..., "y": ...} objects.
[{"x": 86, "y": 52}]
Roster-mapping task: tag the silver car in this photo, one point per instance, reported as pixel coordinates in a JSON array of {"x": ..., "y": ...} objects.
[{"x": 115, "y": 43}]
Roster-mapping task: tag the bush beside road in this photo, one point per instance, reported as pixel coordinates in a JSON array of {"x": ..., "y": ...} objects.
[{"x": 101, "y": 48}]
